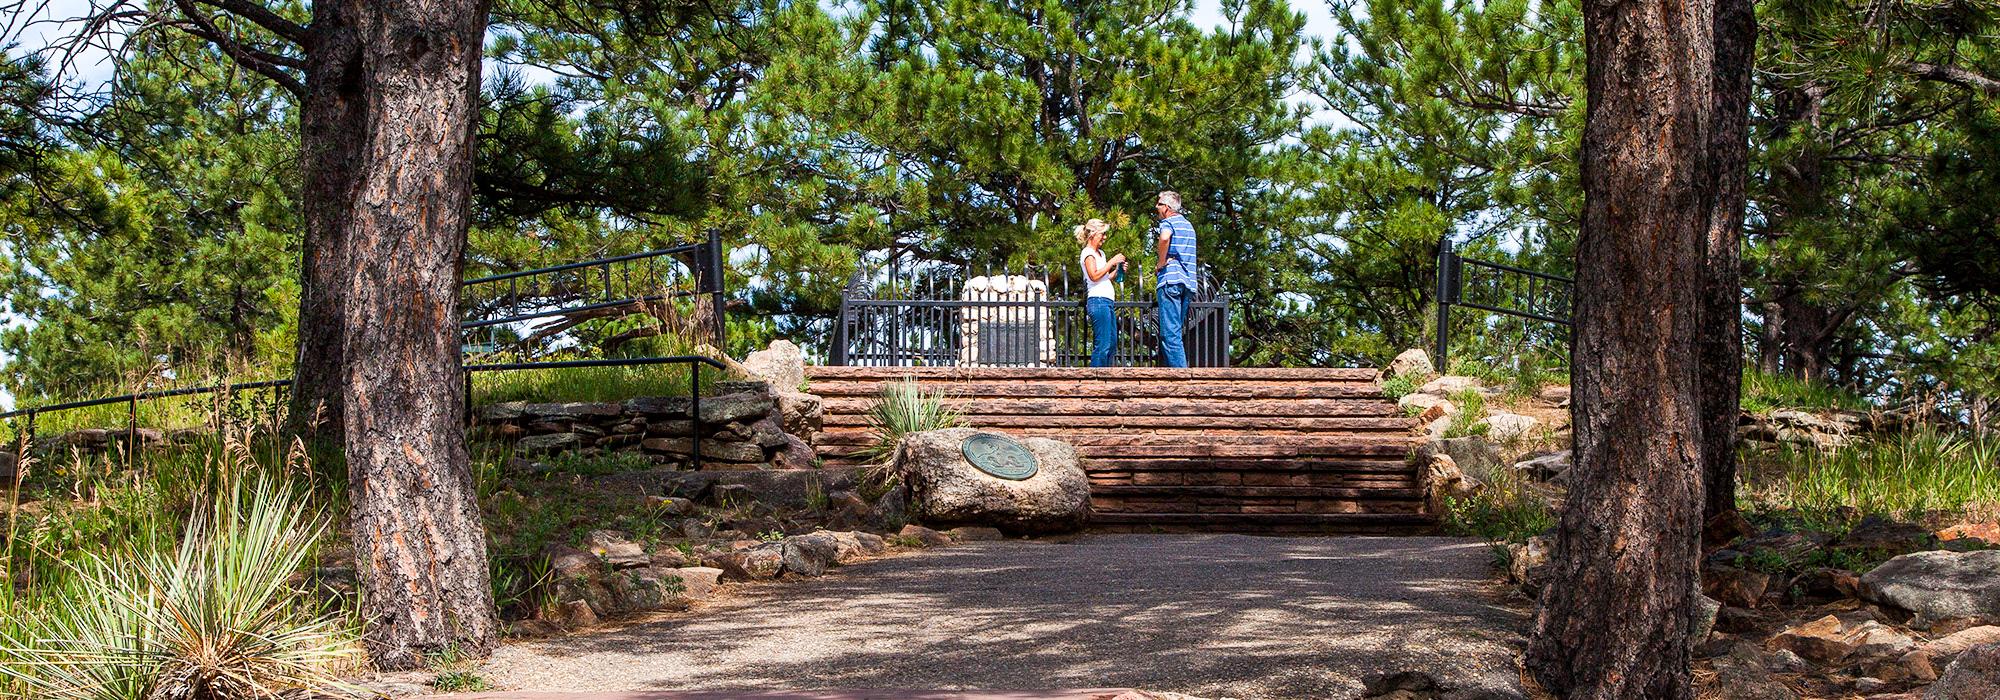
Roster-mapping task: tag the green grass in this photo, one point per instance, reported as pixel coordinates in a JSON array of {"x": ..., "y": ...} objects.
[
  {"x": 1910, "y": 476},
  {"x": 1509, "y": 510},
  {"x": 1399, "y": 387},
  {"x": 1763, "y": 393},
  {"x": 593, "y": 384},
  {"x": 1471, "y": 409},
  {"x": 904, "y": 408}
]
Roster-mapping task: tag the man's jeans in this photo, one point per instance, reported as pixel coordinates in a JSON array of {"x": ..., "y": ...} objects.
[
  {"x": 1174, "y": 299},
  {"x": 1104, "y": 330}
]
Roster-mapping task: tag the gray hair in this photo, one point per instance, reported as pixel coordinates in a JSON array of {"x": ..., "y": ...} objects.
[{"x": 1172, "y": 199}]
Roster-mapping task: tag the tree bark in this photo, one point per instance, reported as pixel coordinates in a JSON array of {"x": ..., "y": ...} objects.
[
  {"x": 417, "y": 532},
  {"x": 1721, "y": 340},
  {"x": 1613, "y": 622},
  {"x": 332, "y": 116}
]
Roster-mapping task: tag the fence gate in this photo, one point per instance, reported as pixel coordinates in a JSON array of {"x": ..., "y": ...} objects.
[{"x": 1501, "y": 289}]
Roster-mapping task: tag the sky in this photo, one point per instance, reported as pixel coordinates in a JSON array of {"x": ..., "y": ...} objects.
[{"x": 36, "y": 30}]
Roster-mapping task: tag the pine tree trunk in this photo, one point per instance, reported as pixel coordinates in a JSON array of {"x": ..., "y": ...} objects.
[
  {"x": 1721, "y": 341},
  {"x": 1613, "y": 622},
  {"x": 331, "y": 118},
  {"x": 416, "y": 525}
]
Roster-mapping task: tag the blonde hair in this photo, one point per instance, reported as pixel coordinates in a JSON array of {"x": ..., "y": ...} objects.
[{"x": 1093, "y": 226}]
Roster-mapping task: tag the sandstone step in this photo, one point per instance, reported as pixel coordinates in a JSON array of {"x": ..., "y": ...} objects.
[
  {"x": 1034, "y": 424},
  {"x": 1115, "y": 389},
  {"x": 1270, "y": 374},
  {"x": 1254, "y": 492},
  {"x": 1221, "y": 408},
  {"x": 1331, "y": 523}
]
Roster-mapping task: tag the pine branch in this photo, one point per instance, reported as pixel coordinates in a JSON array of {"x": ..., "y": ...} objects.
[{"x": 1954, "y": 75}]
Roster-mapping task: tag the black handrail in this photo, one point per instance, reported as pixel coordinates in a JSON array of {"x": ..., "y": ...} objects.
[
  {"x": 1451, "y": 292},
  {"x": 587, "y": 263}
]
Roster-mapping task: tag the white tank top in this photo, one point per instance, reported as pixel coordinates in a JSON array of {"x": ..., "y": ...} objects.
[{"x": 1103, "y": 287}]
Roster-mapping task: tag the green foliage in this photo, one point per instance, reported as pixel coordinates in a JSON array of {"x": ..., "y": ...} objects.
[
  {"x": 218, "y": 615},
  {"x": 1763, "y": 393},
  {"x": 1909, "y": 476},
  {"x": 1399, "y": 387},
  {"x": 1471, "y": 409},
  {"x": 904, "y": 408},
  {"x": 1509, "y": 509},
  {"x": 591, "y": 383}
]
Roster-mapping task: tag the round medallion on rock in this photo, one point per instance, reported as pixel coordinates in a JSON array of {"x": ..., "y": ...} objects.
[{"x": 999, "y": 456}]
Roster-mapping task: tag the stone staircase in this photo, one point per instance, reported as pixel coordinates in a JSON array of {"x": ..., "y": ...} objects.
[{"x": 1212, "y": 449}]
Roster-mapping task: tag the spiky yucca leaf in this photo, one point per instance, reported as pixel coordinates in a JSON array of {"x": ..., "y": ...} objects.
[{"x": 905, "y": 408}]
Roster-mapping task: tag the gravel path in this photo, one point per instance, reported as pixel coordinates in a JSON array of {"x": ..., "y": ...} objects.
[{"x": 1207, "y": 615}]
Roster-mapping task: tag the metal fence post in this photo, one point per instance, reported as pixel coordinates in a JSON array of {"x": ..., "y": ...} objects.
[
  {"x": 1445, "y": 285},
  {"x": 714, "y": 285},
  {"x": 694, "y": 412}
]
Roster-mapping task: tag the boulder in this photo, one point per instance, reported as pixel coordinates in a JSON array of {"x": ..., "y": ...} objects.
[
  {"x": 698, "y": 582},
  {"x": 1508, "y": 427},
  {"x": 716, "y": 450},
  {"x": 946, "y": 490},
  {"x": 802, "y": 414},
  {"x": 781, "y": 363},
  {"x": 755, "y": 563},
  {"x": 1883, "y": 537},
  {"x": 1948, "y": 647},
  {"x": 1413, "y": 363},
  {"x": 551, "y": 442},
  {"x": 1988, "y": 534},
  {"x": 1831, "y": 640},
  {"x": 1448, "y": 385},
  {"x": 923, "y": 536},
  {"x": 1443, "y": 479},
  {"x": 809, "y": 555},
  {"x": 614, "y": 549},
  {"x": 503, "y": 412},
  {"x": 1706, "y": 611},
  {"x": 974, "y": 534},
  {"x": 1938, "y": 585},
  {"x": 1526, "y": 557},
  {"x": 794, "y": 453},
  {"x": 1473, "y": 454},
  {"x": 644, "y": 590},
  {"x": 1974, "y": 675},
  {"x": 1547, "y": 466},
  {"x": 740, "y": 407},
  {"x": 1421, "y": 404},
  {"x": 572, "y": 411},
  {"x": 1557, "y": 394},
  {"x": 570, "y": 562},
  {"x": 1741, "y": 588},
  {"x": 850, "y": 547},
  {"x": 1744, "y": 675},
  {"x": 1824, "y": 584},
  {"x": 672, "y": 505}
]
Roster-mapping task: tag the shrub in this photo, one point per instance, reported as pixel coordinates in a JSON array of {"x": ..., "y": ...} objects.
[
  {"x": 906, "y": 408},
  {"x": 1471, "y": 409},
  {"x": 1398, "y": 387},
  {"x": 1508, "y": 509},
  {"x": 1763, "y": 393},
  {"x": 218, "y": 616}
]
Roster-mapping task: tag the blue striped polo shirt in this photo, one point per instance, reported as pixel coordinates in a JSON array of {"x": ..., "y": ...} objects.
[{"x": 1180, "y": 253}]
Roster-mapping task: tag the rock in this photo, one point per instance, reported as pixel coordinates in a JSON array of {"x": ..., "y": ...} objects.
[
  {"x": 612, "y": 547},
  {"x": 1738, "y": 620},
  {"x": 699, "y": 582},
  {"x": 502, "y": 412},
  {"x": 570, "y": 562},
  {"x": 1448, "y": 385},
  {"x": 551, "y": 442},
  {"x": 974, "y": 534},
  {"x": 1726, "y": 527},
  {"x": 1527, "y": 557},
  {"x": 711, "y": 450},
  {"x": 672, "y": 505},
  {"x": 1735, "y": 587},
  {"x": 1547, "y": 466},
  {"x": 801, "y": 414},
  {"x": 1988, "y": 533},
  {"x": 795, "y": 453},
  {"x": 1938, "y": 585},
  {"x": 738, "y": 407},
  {"x": 1948, "y": 647},
  {"x": 923, "y": 536},
  {"x": 1830, "y": 640},
  {"x": 1974, "y": 675},
  {"x": 809, "y": 555},
  {"x": 1400, "y": 684},
  {"x": 763, "y": 561},
  {"x": 644, "y": 590},
  {"x": 1787, "y": 661},
  {"x": 1473, "y": 454},
  {"x": 1422, "y": 404},
  {"x": 781, "y": 363},
  {"x": 731, "y": 495},
  {"x": 850, "y": 547},
  {"x": 1414, "y": 363},
  {"x": 572, "y": 614},
  {"x": 1790, "y": 548},
  {"x": 1875, "y": 535},
  {"x": 1442, "y": 480},
  {"x": 532, "y": 629},
  {"x": 573, "y": 411},
  {"x": 1744, "y": 676},
  {"x": 670, "y": 559},
  {"x": 1914, "y": 665},
  {"x": 1437, "y": 427},
  {"x": 945, "y": 489},
  {"x": 1508, "y": 427},
  {"x": 1705, "y": 611},
  {"x": 1556, "y": 394},
  {"x": 1824, "y": 584}
]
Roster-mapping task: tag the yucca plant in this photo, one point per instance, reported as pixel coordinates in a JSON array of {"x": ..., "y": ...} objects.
[
  {"x": 905, "y": 408},
  {"x": 218, "y": 617}
]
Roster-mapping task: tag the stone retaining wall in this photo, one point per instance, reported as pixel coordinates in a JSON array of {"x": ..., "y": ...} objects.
[{"x": 743, "y": 427}]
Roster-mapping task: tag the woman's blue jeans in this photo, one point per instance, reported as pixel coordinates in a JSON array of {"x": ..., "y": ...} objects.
[{"x": 1104, "y": 330}]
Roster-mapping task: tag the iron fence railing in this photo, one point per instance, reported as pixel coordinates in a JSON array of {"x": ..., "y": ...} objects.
[
  {"x": 560, "y": 297},
  {"x": 935, "y": 314},
  {"x": 1497, "y": 288}
]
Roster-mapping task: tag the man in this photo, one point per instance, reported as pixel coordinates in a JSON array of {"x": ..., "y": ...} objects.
[{"x": 1176, "y": 270}]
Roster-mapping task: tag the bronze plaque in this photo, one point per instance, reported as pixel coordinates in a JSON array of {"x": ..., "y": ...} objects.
[{"x": 999, "y": 456}]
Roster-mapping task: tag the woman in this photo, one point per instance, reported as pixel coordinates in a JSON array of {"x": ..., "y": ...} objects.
[{"x": 1098, "y": 271}]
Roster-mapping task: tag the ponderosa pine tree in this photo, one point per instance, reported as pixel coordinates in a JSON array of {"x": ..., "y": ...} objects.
[{"x": 1613, "y": 622}]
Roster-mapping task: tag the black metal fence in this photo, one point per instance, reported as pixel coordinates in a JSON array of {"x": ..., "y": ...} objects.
[
  {"x": 596, "y": 306},
  {"x": 1501, "y": 289},
  {"x": 537, "y": 313},
  {"x": 937, "y": 314}
]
